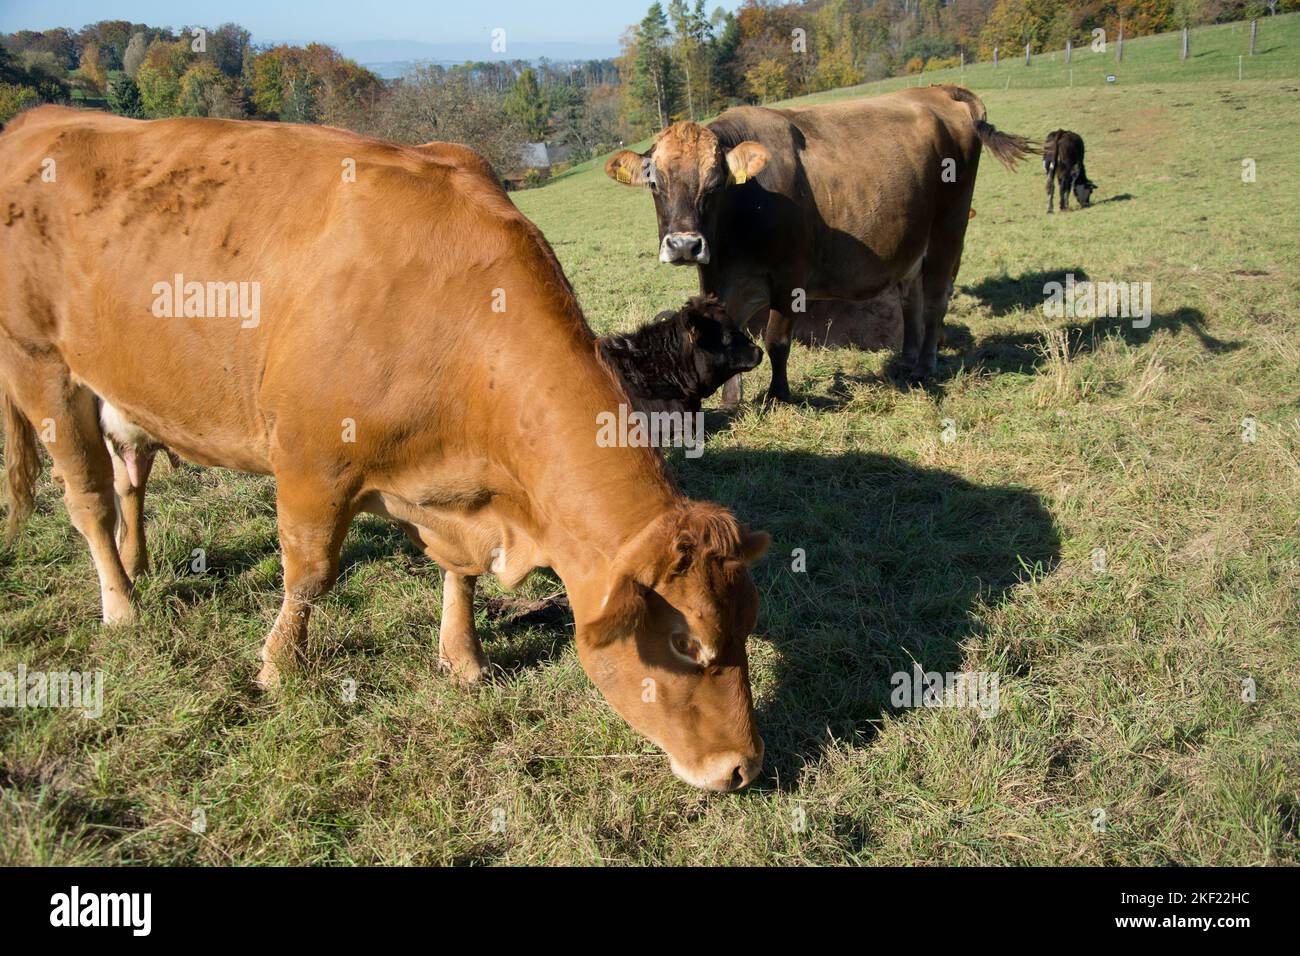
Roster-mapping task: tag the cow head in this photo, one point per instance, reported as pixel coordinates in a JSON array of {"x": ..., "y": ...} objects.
[
  {"x": 687, "y": 169},
  {"x": 667, "y": 645},
  {"x": 719, "y": 348},
  {"x": 1083, "y": 191}
]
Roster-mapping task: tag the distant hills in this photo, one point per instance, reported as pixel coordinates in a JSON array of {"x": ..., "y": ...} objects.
[{"x": 392, "y": 58}]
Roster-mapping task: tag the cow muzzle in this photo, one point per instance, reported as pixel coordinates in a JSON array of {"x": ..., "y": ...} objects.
[
  {"x": 724, "y": 772},
  {"x": 684, "y": 248}
]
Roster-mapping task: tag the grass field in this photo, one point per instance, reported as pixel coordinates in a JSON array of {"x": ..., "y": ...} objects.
[{"x": 1121, "y": 691}]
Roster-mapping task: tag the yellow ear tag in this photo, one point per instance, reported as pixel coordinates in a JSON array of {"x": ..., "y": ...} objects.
[
  {"x": 741, "y": 177},
  {"x": 622, "y": 175}
]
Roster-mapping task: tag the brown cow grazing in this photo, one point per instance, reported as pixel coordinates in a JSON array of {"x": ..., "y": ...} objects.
[
  {"x": 379, "y": 328},
  {"x": 683, "y": 357},
  {"x": 841, "y": 201},
  {"x": 1063, "y": 162}
]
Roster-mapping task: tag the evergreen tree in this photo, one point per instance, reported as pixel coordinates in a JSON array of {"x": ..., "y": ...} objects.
[
  {"x": 526, "y": 104},
  {"x": 689, "y": 28},
  {"x": 654, "y": 85},
  {"x": 123, "y": 95},
  {"x": 725, "y": 56}
]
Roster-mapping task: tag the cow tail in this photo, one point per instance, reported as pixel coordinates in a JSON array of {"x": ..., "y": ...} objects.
[
  {"x": 22, "y": 467},
  {"x": 1007, "y": 148}
]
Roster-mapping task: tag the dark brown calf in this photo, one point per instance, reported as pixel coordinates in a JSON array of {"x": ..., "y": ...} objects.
[
  {"x": 1063, "y": 161},
  {"x": 677, "y": 361}
]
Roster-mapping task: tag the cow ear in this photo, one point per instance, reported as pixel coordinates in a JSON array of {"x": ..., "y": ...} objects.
[
  {"x": 621, "y": 613},
  {"x": 627, "y": 167},
  {"x": 753, "y": 545},
  {"x": 746, "y": 161},
  {"x": 694, "y": 320}
]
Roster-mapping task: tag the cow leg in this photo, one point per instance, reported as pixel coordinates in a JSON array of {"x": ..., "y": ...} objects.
[
  {"x": 750, "y": 303},
  {"x": 1065, "y": 190},
  {"x": 459, "y": 649},
  {"x": 313, "y": 522},
  {"x": 776, "y": 339},
  {"x": 733, "y": 392},
  {"x": 913, "y": 325},
  {"x": 937, "y": 290},
  {"x": 131, "y": 544},
  {"x": 66, "y": 418},
  {"x": 1051, "y": 188}
]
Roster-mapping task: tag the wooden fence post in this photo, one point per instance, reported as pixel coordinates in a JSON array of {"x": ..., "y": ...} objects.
[
  {"x": 1184, "y": 56},
  {"x": 1026, "y": 54},
  {"x": 1069, "y": 46},
  {"x": 995, "y": 58},
  {"x": 1254, "y": 29}
]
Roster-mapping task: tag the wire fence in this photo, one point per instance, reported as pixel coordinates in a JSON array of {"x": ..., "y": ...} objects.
[{"x": 1264, "y": 49}]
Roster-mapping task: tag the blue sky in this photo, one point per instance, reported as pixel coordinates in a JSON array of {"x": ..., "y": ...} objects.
[{"x": 343, "y": 21}]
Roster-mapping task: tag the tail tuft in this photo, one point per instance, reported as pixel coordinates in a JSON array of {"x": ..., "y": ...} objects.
[
  {"x": 22, "y": 468},
  {"x": 1007, "y": 148}
]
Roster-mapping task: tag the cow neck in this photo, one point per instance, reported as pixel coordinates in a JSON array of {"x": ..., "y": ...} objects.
[
  {"x": 586, "y": 502},
  {"x": 599, "y": 510}
]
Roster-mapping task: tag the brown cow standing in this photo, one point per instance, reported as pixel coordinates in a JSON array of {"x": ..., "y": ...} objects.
[
  {"x": 403, "y": 343},
  {"x": 841, "y": 201}
]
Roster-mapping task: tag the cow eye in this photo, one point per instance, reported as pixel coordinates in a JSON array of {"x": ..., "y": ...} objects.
[{"x": 688, "y": 648}]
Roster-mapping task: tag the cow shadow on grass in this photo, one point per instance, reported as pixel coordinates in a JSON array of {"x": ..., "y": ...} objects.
[
  {"x": 369, "y": 539},
  {"x": 1009, "y": 353},
  {"x": 1006, "y": 294},
  {"x": 1023, "y": 351},
  {"x": 900, "y": 560}
]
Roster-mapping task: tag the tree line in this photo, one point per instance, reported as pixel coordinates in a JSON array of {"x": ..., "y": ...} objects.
[
  {"x": 678, "y": 62},
  {"x": 143, "y": 71}
]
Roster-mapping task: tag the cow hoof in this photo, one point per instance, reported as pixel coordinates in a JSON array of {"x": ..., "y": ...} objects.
[
  {"x": 466, "y": 672},
  {"x": 774, "y": 399},
  {"x": 118, "y": 612},
  {"x": 913, "y": 376},
  {"x": 268, "y": 678},
  {"x": 135, "y": 566},
  {"x": 903, "y": 375}
]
